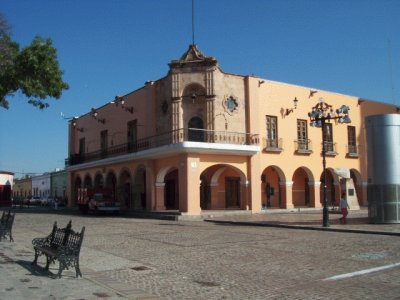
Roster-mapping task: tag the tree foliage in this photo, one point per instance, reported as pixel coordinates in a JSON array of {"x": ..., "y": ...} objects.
[{"x": 33, "y": 70}]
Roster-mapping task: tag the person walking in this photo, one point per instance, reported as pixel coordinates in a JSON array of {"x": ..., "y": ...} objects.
[
  {"x": 55, "y": 203},
  {"x": 343, "y": 207}
]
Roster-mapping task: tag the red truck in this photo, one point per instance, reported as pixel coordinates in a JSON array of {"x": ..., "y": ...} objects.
[{"x": 97, "y": 200}]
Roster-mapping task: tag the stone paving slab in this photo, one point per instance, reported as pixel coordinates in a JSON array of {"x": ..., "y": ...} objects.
[
  {"x": 312, "y": 219},
  {"x": 126, "y": 258}
]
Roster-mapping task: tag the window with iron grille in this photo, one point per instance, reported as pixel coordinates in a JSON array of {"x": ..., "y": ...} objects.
[{"x": 272, "y": 131}]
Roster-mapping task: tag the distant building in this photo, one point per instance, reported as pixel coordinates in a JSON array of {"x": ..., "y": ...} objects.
[
  {"x": 6, "y": 187},
  {"x": 22, "y": 188},
  {"x": 41, "y": 185},
  {"x": 59, "y": 185},
  {"x": 201, "y": 139}
]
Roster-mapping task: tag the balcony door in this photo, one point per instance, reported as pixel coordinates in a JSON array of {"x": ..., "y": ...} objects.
[
  {"x": 132, "y": 136},
  {"x": 195, "y": 130},
  {"x": 103, "y": 142},
  {"x": 272, "y": 131},
  {"x": 328, "y": 137},
  {"x": 302, "y": 135}
]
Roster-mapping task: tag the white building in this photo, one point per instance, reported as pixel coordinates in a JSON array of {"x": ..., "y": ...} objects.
[{"x": 41, "y": 185}]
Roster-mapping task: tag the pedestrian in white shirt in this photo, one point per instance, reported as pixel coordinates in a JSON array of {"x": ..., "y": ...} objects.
[{"x": 343, "y": 207}]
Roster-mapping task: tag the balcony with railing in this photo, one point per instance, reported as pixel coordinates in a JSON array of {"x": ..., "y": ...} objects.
[
  {"x": 189, "y": 138},
  {"x": 330, "y": 149},
  {"x": 272, "y": 145},
  {"x": 352, "y": 151},
  {"x": 303, "y": 146}
]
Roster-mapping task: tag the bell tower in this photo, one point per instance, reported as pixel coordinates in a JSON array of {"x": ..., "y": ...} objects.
[{"x": 193, "y": 95}]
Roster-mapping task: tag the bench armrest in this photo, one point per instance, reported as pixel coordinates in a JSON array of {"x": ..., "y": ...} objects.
[{"x": 40, "y": 242}]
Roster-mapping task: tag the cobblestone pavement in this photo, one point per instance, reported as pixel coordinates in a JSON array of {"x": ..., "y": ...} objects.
[{"x": 127, "y": 258}]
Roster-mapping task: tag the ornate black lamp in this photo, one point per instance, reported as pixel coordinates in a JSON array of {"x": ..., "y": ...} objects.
[
  {"x": 74, "y": 123},
  {"x": 320, "y": 114},
  {"x": 95, "y": 115},
  {"x": 290, "y": 110},
  {"x": 121, "y": 101}
]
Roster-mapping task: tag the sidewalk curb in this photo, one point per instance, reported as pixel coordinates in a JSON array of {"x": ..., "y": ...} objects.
[{"x": 299, "y": 227}]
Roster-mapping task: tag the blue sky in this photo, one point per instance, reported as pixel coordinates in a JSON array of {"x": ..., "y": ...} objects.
[{"x": 109, "y": 48}]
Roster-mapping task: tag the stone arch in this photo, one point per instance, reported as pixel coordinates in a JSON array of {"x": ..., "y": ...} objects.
[
  {"x": 354, "y": 173},
  {"x": 336, "y": 179},
  {"x": 77, "y": 185},
  {"x": 217, "y": 174},
  {"x": 171, "y": 191},
  {"x": 139, "y": 188},
  {"x": 87, "y": 182},
  {"x": 192, "y": 91},
  {"x": 124, "y": 189},
  {"x": 111, "y": 183},
  {"x": 301, "y": 193},
  {"x": 223, "y": 186},
  {"x": 125, "y": 172},
  {"x": 358, "y": 185},
  {"x": 194, "y": 108},
  {"x": 332, "y": 187},
  {"x": 78, "y": 181},
  {"x": 273, "y": 184},
  {"x": 161, "y": 174},
  {"x": 99, "y": 180},
  {"x": 167, "y": 188}
]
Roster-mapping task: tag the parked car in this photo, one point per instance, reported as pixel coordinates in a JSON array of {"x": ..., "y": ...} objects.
[
  {"x": 47, "y": 201},
  {"x": 26, "y": 200},
  {"x": 35, "y": 200}
]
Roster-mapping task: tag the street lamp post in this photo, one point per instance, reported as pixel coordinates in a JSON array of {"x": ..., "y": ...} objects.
[{"x": 321, "y": 113}]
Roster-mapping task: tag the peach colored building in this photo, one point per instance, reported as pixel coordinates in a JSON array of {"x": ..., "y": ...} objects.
[
  {"x": 22, "y": 188},
  {"x": 200, "y": 139}
]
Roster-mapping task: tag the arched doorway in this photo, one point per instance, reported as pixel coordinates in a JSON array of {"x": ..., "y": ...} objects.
[
  {"x": 195, "y": 130},
  {"x": 139, "y": 189},
  {"x": 223, "y": 187},
  {"x": 301, "y": 189},
  {"x": 77, "y": 185},
  {"x": 271, "y": 195},
  {"x": 98, "y": 181},
  {"x": 171, "y": 190},
  {"x": 87, "y": 183},
  {"x": 332, "y": 195},
  {"x": 111, "y": 183},
  {"x": 205, "y": 196},
  {"x": 357, "y": 181},
  {"x": 124, "y": 189}
]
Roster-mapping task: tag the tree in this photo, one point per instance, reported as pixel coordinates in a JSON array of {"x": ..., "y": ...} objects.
[{"x": 34, "y": 70}]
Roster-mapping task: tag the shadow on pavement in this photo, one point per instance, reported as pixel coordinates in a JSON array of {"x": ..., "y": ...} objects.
[{"x": 35, "y": 270}]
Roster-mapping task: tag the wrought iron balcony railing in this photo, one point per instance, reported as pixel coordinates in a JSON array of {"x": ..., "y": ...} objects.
[
  {"x": 303, "y": 146},
  {"x": 173, "y": 137},
  {"x": 352, "y": 150},
  {"x": 273, "y": 145},
  {"x": 330, "y": 149}
]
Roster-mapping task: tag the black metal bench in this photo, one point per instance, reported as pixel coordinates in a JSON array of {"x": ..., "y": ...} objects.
[
  {"x": 6, "y": 224},
  {"x": 63, "y": 244}
]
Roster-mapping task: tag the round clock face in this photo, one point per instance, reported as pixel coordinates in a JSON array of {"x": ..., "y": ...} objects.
[{"x": 231, "y": 104}]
